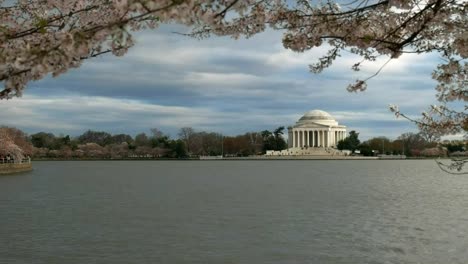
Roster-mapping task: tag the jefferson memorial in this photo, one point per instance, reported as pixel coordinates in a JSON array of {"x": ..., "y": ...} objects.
[
  {"x": 316, "y": 133},
  {"x": 315, "y": 128}
]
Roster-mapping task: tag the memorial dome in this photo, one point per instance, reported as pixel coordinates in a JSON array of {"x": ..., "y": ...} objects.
[{"x": 317, "y": 117}]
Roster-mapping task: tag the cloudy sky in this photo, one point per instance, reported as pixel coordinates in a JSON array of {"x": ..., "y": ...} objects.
[{"x": 169, "y": 81}]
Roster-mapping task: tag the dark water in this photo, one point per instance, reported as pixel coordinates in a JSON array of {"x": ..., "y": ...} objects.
[{"x": 234, "y": 212}]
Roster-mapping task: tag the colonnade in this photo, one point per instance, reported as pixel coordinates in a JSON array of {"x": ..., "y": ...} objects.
[{"x": 315, "y": 137}]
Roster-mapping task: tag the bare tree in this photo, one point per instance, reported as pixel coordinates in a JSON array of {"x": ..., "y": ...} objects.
[
  {"x": 156, "y": 133},
  {"x": 186, "y": 134}
]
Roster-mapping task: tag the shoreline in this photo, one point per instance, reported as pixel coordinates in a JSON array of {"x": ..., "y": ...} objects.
[
  {"x": 268, "y": 158},
  {"x": 13, "y": 168}
]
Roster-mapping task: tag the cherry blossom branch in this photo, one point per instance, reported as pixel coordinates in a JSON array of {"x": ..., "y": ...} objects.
[
  {"x": 47, "y": 22},
  {"x": 224, "y": 11},
  {"x": 6, "y": 91}
]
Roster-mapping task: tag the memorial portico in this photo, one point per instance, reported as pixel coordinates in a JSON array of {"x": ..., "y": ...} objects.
[{"x": 316, "y": 129}]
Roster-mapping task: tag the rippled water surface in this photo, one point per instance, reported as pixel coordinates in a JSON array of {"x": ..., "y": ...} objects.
[{"x": 234, "y": 212}]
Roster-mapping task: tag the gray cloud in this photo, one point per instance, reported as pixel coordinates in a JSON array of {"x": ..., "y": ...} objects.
[{"x": 169, "y": 81}]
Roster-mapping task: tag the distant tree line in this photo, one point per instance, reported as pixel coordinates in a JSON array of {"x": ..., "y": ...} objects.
[
  {"x": 409, "y": 144},
  {"x": 103, "y": 145},
  {"x": 190, "y": 143}
]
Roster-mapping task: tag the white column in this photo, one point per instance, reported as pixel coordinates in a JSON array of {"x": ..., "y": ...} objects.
[
  {"x": 324, "y": 132},
  {"x": 296, "y": 143},
  {"x": 321, "y": 138},
  {"x": 325, "y": 138},
  {"x": 318, "y": 138},
  {"x": 301, "y": 139},
  {"x": 327, "y": 143},
  {"x": 332, "y": 138},
  {"x": 298, "y": 139},
  {"x": 294, "y": 139}
]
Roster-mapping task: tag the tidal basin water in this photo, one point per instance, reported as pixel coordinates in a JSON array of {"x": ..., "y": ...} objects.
[{"x": 257, "y": 212}]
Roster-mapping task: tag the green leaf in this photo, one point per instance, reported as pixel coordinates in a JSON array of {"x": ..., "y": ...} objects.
[
  {"x": 42, "y": 24},
  {"x": 368, "y": 38}
]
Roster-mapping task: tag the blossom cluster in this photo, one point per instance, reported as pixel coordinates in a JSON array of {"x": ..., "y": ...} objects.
[{"x": 8, "y": 146}]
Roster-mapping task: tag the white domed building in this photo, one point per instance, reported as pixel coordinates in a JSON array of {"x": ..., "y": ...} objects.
[{"x": 317, "y": 129}]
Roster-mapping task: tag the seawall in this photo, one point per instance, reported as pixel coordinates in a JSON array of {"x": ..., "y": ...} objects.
[
  {"x": 9, "y": 168},
  {"x": 301, "y": 157}
]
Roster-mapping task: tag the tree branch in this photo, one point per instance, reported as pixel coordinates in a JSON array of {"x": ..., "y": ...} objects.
[{"x": 223, "y": 13}]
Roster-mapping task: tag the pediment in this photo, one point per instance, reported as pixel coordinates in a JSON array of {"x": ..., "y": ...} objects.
[{"x": 310, "y": 125}]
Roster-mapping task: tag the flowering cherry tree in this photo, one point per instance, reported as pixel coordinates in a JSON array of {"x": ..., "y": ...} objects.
[
  {"x": 8, "y": 146},
  {"x": 41, "y": 37}
]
